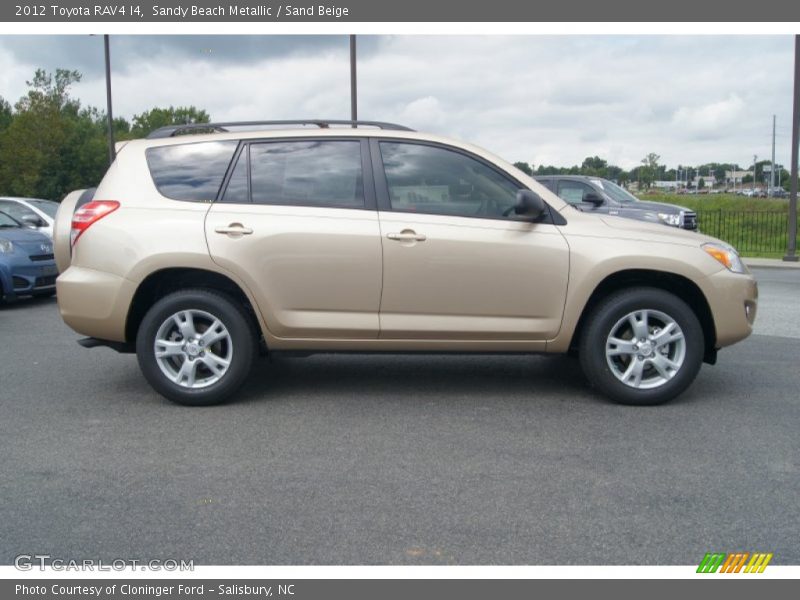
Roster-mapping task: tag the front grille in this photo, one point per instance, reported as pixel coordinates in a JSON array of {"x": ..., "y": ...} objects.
[
  {"x": 45, "y": 281},
  {"x": 19, "y": 282},
  {"x": 690, "y": 220},
  {"x": 42, "y": 257}
]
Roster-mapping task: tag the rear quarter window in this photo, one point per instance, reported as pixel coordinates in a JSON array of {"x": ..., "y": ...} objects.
[{"x": 190, "y": 172}]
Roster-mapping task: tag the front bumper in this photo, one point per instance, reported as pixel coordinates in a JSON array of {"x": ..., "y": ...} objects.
[
  {"x": 733, "y": 299},
  {"x": 20, "y": 276}
]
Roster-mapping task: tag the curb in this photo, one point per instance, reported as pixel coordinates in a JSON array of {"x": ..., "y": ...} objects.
[{"x": 769, "y": 263}]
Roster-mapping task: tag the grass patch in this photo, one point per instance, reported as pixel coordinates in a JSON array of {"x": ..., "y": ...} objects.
[
  {"x": 756, "y": 227},
  {"x": 720, "y": 202}
]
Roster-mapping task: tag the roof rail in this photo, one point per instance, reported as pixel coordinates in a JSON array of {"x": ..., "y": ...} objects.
[{"x": 173, "y": 130}]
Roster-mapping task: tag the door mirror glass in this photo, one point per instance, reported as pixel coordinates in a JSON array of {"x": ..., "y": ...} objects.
[
  {"x": 529, "y": 205},
  {"x": 593, "y": 198},
  {"x": 32, "y": 221}
]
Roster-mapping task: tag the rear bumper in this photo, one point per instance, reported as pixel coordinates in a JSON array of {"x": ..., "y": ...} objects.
[
  {"x": 23, "y": 277},
  {"x": 95, "y": 303}
]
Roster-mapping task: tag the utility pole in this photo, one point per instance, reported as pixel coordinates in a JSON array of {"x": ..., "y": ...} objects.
[
  {"x": 755, "y": 160},
  {"x": 353, "y": 87},
  {"x": 772, "y": 168},
  {"x": 791, "y": 245},
  {"x": 112, "y": 151}
]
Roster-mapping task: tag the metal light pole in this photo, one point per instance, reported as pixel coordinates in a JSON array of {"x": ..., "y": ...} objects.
[
  {"x": 353, "y": 87},
  {"x": 772, "y": 168},
  {"x": 112, "y": 152},
  {"x": 791, "y": 245}
]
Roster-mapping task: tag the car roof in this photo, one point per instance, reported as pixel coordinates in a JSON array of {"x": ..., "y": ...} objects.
[
  {"x": 225, "y": 127},
  {"x": 578, "y": 177},
  {"x": 250, "y": 134}
]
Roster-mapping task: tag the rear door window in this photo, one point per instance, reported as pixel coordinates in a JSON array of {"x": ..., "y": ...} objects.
[{"x": 326, "y": 173}]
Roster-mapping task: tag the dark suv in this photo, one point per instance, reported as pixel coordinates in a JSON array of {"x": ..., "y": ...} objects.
[{"x": 594, "y": 194}]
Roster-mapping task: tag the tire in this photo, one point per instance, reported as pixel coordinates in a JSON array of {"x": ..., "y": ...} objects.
[
  {"x": 218, "y": 357},
  {"x": 635, "y": 373}
]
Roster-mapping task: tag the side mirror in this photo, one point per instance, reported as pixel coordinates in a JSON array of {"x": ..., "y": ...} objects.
[
  {"x": 32, "y": 221},
  {"x": 529, "y": 205},
  {"x": 593, "y": 198}
]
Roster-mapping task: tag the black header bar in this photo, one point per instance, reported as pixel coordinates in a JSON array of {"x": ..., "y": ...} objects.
[{"x": 681, "y": 11}]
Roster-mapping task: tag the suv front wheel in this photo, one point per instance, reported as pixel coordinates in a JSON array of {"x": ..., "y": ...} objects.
[
  {"x": 642, "y": 346},
  {"x": 196, "y": 347}
]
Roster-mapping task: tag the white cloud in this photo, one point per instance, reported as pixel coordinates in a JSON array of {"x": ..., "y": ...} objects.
[
  {"x": 542, "y": 99},
  {"x": 708, "y": 120}
]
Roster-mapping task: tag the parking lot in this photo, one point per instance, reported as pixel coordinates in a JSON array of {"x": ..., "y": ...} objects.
[{"x": 399, "y": 459}]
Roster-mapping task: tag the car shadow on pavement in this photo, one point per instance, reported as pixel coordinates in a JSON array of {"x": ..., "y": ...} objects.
[{"x": 411, "y": 377}]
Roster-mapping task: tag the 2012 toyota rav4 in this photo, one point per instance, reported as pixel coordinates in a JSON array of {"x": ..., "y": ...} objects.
[{"x": 206, "y": 245}]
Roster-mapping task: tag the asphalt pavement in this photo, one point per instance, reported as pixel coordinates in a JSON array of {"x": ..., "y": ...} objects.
[{"x": 357, "y": 459}]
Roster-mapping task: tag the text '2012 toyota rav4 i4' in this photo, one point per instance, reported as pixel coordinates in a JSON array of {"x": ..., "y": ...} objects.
[{"x": 205, "y": 245}]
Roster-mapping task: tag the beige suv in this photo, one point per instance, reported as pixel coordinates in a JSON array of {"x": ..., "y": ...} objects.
[{"x": 205, "y": 246}]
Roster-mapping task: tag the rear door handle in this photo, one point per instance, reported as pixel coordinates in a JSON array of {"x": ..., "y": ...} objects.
[
  {"x": 234, "y": 229},
  {"x": 407, "y": 235}
]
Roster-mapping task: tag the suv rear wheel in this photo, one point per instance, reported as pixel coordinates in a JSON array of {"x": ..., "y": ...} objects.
[
  {"x": 196, "y": 347},
  {"x": 642, "y": 346}
]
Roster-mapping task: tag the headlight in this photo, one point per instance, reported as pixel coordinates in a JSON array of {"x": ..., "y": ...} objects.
[
  {"x": 673, "y": 219},
  {"x": 6, "y": 247},
  {"x": 726, "y": 255}
]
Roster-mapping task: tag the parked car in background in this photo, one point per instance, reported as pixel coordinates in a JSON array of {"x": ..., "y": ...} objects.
[
  {"x": 199, "y": 250},
  {"x": 601, "y": 196},
  {"x": 33, "y": 212},
  {"x": 27, "y": 265}
]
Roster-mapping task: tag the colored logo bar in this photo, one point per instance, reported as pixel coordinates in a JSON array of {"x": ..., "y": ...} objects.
[{"x": 734, "y": 562}]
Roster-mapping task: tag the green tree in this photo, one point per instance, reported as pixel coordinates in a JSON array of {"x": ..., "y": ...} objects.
[
  {"x": 33, "y": 147},
  {"x": 144, "y": 123},
  {"x": 784, "y": 178},
  {"x": 6, "y": 114},
  {"x": 524, "y": 167},
  {"x": 594, "y": 165},
  {"x": 50, "y": 144},
  {"x": 649, "y": 170}
]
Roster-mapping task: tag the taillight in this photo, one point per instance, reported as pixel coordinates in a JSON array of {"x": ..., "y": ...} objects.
[{"x": 89, "y": 214}]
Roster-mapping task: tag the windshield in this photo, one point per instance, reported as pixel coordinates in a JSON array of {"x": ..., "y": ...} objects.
[
  {"x": 48, "y": 207},
  {"x": 8, "y": 221},
  {"x": 615, "y": 192}
]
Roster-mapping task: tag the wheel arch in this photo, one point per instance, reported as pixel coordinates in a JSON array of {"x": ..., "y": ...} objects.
[
  {"x": 678, "y": 285},
  {"x": 164, "y": 281}
]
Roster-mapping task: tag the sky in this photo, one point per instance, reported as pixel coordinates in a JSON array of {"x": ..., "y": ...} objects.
[{"x": 539, "y": 99}]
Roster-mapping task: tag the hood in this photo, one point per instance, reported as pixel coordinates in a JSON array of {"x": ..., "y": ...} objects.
[
  {"x": 656, "y": 206},
  {"x": 29, "y": 241},
  {"x": 653, "y": 232}
]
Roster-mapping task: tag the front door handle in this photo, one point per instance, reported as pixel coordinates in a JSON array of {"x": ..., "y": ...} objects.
[
  {"x": 234, "y": 229},
  {"x": 407, "y": 235}
]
